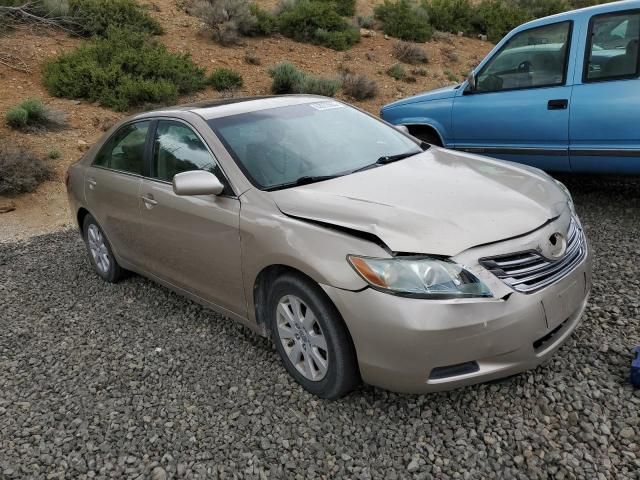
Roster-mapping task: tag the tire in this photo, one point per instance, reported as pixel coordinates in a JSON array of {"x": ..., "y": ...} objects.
[
  {"x": 429, "y": 137},
  {"x": 341, "y": 373},
  {"x": 104, "y": 262}
]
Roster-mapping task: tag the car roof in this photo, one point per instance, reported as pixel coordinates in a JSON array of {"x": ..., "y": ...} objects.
[{"x": 210, "y": 109}]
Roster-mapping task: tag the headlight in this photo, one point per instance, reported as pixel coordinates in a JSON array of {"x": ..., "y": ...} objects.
[
  {"x": 421, "y": 277},
  {"x": 564, "y": 188}
]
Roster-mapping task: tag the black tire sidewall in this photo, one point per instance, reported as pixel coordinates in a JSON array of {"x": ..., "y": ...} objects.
[
  {"x": 114, "y": 273},
  {"x": 342, "y": 373},
  {"x": 428, "y": 137}
]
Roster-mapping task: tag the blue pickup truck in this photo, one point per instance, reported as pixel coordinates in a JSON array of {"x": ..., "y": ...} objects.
[{"x": 561, "y": 93}]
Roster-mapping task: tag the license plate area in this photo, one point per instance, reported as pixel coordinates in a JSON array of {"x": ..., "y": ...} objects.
[{"x": 560, "y": 305}]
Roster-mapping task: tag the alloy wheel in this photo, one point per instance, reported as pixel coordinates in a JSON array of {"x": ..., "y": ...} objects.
[
  {"x": 302, "y": 338},
  {"x": 98, "y": 248}
]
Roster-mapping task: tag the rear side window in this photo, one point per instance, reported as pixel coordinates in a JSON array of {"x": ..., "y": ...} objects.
[
  {"x": 178, "y": 149},
  {"x": 124, "y": 151},
  {"x": 612, "y": 49},
  {"x": 530, "y": 59}
]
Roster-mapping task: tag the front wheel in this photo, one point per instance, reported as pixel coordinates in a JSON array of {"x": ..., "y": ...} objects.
[
  {"x": 311, "y": 338},
  {"x": 100, "y": 253}
]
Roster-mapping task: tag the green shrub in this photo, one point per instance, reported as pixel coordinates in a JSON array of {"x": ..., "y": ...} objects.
[
  {"x": 32, "y": 114},
  {"x": 359, "y": 87},
  {"x": 346, "y": 8},
  {"x": 94, "y": 17},
  {"x": 343, "y": 40},
  {"x": 265, "y": 24},
  {"x": 21, "y": 171},
  {"x": 396, "y": 71},
  {"x": 35, "y": 109},
  {"x": 405, "y": 20},
  {"x": 450, "y": 15},
  {"x": 496, "y": 18},
  {"x": 543, "y": 8},
  {"x": 225, "y": 79},
  {"x": 17, "y": 117},
  {"x": 285, "y": 78},
  {"x": 315, "y": 85},
  {"x": 54, "y": 154},
  {"x": 122, "y": 70},
  {"x": 317, "y": 22}
]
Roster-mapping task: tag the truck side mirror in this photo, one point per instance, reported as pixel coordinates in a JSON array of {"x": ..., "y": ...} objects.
[{"x": 471, "y": 82}]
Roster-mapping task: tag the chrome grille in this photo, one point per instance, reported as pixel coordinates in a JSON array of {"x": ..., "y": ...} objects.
[{"x": 529, "y": 271}]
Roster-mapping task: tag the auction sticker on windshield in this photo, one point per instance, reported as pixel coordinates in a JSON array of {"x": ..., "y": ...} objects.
[{"x": 326, "y": 105}]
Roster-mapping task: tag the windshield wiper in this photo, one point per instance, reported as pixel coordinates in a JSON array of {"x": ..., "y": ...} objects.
[
  {"x": 386, "y": 159},
  {"x": 305, "y": 180}
]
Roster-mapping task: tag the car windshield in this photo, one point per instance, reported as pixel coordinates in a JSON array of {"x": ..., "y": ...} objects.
[{"x": 285, "y": 146}]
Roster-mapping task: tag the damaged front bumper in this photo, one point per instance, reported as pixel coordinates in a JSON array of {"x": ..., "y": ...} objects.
[{"x": 417, "y": 346}]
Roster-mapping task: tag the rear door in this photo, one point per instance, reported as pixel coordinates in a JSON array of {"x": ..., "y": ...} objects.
[
  {"x": 605, "y": 112},
  {"x": 112, "y": 188},
  {"x": 192, "y": 242},
  {"x": 519, "y": 110}
]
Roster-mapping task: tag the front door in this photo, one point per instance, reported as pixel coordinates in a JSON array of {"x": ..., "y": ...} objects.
[
  {"x": 605, "y": 110},
  {"x": 112, "y": 188},
  {"x": 192, "y": 242},
  {"x": 519, "y": 110}
]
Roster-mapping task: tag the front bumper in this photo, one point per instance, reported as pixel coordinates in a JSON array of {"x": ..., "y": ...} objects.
[{"x": 403, "y": 344}]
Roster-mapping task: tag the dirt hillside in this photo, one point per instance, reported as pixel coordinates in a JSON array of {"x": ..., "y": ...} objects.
[{"x": 46, "y": 209}]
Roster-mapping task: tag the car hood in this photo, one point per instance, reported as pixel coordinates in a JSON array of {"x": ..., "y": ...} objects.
[
  {"x": 438, "y": 202},
  {"x": 438, "y": 94}
]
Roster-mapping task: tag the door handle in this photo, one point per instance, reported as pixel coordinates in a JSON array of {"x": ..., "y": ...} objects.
[
  {"x": 92, "y": 183},
  {"x": 148, "y": 200},
  {"x": 559, "y": 104}
]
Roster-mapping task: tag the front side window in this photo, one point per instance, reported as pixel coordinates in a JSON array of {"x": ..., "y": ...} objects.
[
  {"x": 279, "y": 147},
  {"x": 178, "y": 149},
  {"x": 530, "y": 59},
  {"x": 612, "y": 50},
  {"x": 124, "y": 151}
]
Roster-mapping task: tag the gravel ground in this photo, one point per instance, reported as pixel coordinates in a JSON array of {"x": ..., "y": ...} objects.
[{"x": 132, "y": 381}]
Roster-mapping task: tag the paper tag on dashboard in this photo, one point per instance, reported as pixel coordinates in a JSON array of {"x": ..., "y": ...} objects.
[{"x": 326, "y": 105}]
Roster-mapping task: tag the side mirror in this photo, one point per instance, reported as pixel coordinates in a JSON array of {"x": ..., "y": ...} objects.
[
  {"x": 197, "y": 182},
  {"x": 471, "y": 82},
  {"x": 402, "y": 128}
]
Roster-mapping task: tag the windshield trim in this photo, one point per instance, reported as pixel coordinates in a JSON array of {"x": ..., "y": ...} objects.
[{"x": 211, "y": 122}]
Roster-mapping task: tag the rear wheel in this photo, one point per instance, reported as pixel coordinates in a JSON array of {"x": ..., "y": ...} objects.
[
  {"x": 311, "y": 338},
  {"x": 100, "y": 253}
]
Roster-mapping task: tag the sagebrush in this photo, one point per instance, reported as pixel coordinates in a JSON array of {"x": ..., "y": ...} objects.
[
  {"x": 396, "y": 71},
  {"x": 286, "y": 78},
  {"x": 32, "y": 114},
  {"x": 124, "y": 69},
  {"x": 228, "y": 20},
  {"x": 410, "y": 53},
  {"x": 359, "y": 87},
  {"x": 21, "y": 171}
]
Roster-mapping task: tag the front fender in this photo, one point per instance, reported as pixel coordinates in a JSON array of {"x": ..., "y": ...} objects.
[
  {"x": 269, "y": 237},
  {"x": 436, "y": 114}
]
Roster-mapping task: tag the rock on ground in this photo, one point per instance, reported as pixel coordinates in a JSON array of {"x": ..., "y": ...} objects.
[{"x": 133, "y": 381}]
